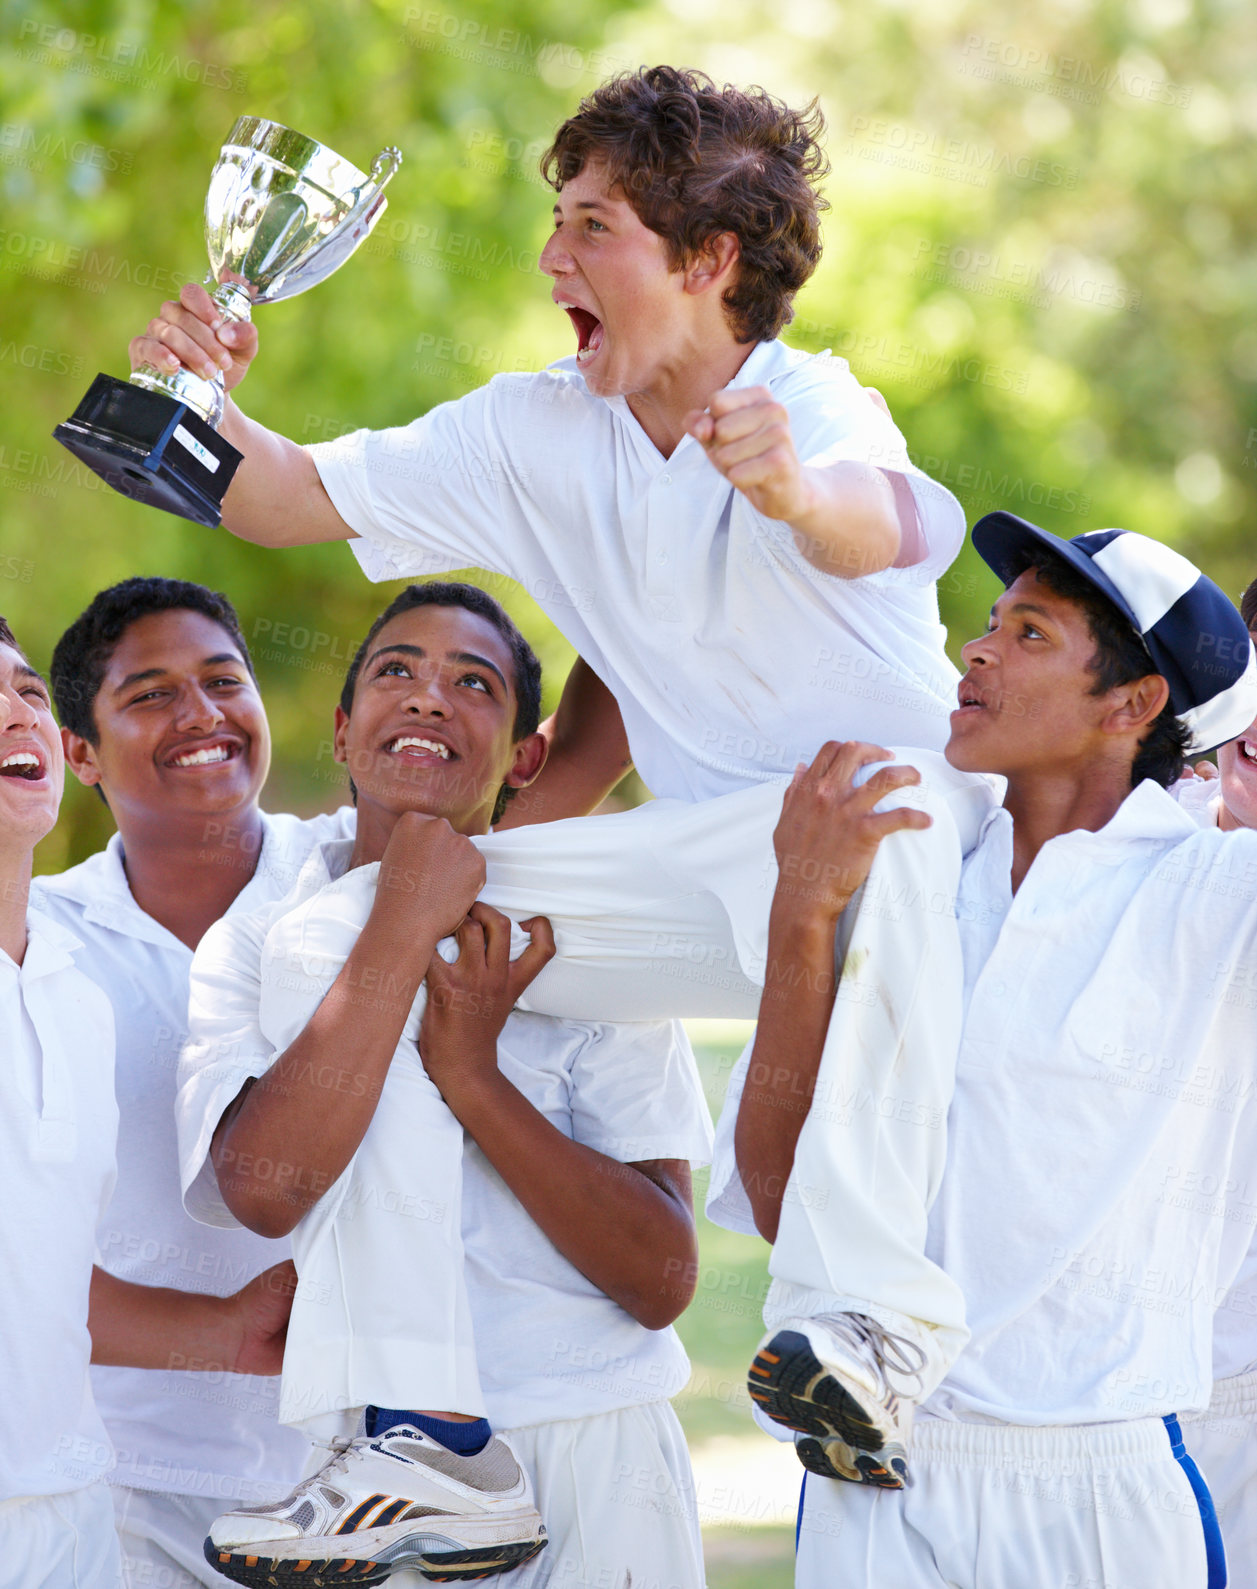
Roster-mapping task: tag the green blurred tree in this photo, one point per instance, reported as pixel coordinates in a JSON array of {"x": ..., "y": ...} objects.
[
  {"x": 112, "y": 120},
  {"x": 1041, "y": 248}
]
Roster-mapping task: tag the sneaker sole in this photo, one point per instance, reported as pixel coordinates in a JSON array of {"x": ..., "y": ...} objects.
[
  {"x": 886, "y": 1469},
  {"x": 794, "y": 1388},
  {"x": 298, "y": 1572}
]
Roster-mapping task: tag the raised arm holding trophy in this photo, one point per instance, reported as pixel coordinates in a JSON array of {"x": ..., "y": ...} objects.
[{"x": 281, "y": 214}]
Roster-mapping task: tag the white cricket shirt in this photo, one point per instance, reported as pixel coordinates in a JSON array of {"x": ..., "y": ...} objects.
[
  {"x": 58, "y": 1124},
  {"x": 1100, "y": 1193},
  {"x": 1235, "y": 1327},
  {"x": 548, "y": 1343},
  {"x": 207, "y": 1434},
  {"x": 731, "y": 657}
]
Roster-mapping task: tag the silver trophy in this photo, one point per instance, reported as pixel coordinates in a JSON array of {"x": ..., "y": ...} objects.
[{"x": 282, "y": 213}]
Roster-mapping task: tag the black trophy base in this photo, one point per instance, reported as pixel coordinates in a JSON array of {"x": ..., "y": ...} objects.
[{"x": 151, "y": 449}]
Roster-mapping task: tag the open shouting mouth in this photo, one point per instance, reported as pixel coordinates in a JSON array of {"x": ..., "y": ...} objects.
[{"x": 589, "y": 332}]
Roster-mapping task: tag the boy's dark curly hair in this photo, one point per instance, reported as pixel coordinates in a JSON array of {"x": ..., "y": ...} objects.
[{"x": 694, "y": 161}]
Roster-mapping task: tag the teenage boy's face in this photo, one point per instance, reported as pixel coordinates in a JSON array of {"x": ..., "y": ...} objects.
[
  {"x": 1237, "y": 767},
  {"x": 432, "y": 727},
  {"x": 1025, "y": 701},
  {"x": 180, "y": 726},
  {"x": 32, "y": 772},
  {"x": 629, "y": 310}
]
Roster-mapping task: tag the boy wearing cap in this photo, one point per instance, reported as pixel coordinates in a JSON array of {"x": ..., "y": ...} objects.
[{"x": 1071, "y": 1211}]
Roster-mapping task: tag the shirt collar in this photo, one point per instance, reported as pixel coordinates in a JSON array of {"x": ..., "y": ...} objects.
[
  {"x": 100, "y": 885},
  {"x": 765, "y": 360},
  {"x": 762, "y": 363},
  {"x": 1148, "y": 812},
  {"x": 325, "y": 863},
  {"x": 49, "y": 946}
]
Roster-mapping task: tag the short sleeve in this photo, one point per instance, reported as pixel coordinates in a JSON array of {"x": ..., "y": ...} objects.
[
  {"x": 833, "y": 420},
  {"x": 433, "y": 495},
  {"x": 636, "y": 1094},
  {"x": 225, "y": 1048}
]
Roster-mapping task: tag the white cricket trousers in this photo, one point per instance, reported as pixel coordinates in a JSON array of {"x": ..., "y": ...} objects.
[
  {"x": 1223, "y": 1440},
  {"x": 162, "y": 1535},
  {"x": 616, "y": 1494},
  {"x": 60, "y": 1541},
  {"x": 999, "y": 1506},
  {"x": 659, "y": 912}
]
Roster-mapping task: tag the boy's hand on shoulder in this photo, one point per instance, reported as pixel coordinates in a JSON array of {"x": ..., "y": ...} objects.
[
  {"x": 470, "y": 998},
  {"x": 828, "y": 833},
  {"x": 428, "y": 872},
  {"x": 746, "y": 434}
]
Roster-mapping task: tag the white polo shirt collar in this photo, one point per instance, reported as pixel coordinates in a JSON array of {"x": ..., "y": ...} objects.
[
  {"x": 49, "y": 947},
  {"x": 100, "y": 885},
  {"x": 764, "y": 361},
  {"x": 1148, "y": 812}
]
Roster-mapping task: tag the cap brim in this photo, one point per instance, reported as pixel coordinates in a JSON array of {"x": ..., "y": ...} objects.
[{"x": 1001, "y": 540}]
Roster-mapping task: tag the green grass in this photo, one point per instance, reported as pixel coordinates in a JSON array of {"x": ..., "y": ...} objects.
[{"x": 744, "y": 1558}]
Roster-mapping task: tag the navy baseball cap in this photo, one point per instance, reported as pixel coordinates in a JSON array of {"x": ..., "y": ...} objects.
[{"x": 1193, "y": 633}]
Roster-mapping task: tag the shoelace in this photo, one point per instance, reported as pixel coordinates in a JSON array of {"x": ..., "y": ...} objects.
[
  {"x": 882, "y": 1348},
  {"x": 340, "y": 1447}
]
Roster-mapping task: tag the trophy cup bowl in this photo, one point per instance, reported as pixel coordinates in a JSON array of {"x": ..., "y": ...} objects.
[{"x": 282, "y": 212}]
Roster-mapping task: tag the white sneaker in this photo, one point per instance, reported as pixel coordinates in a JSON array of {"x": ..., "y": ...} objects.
[
  {"x": 398, "y": 1500},
  {"x": 829, "y": 1380}
]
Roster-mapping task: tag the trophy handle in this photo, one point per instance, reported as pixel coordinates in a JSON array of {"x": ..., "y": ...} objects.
[{"x": 384, "y": 167}]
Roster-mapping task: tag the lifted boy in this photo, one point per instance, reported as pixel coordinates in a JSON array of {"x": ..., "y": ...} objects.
[{"x": 728, "y": 530}]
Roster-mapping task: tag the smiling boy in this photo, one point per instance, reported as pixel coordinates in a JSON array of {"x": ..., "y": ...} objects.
[
  {"x": 58, "y": 1122},
  {"x": 161, "y": 714},
  {"x": 727, "y": 529},
  {"x": 1067, "y": 1211},
  {"x": 309, "y": 1095}
]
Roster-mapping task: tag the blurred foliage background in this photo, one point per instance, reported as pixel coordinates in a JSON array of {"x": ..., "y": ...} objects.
[{"x": 1041, "y": 249}]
